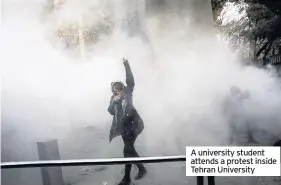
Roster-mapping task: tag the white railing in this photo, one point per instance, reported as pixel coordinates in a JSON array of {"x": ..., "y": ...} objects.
[
  {"x": 87, "y": 162},
  {"x": 109, "y": 161}
]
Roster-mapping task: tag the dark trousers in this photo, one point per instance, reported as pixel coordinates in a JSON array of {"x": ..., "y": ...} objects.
[{"x": 130, "y": 151}]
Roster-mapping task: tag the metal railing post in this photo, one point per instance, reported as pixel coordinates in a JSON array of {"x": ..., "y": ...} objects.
[
  {"x": 211, "y": 180},
  {"x": 49, "y": 150},
  {"x": 200, "y": 180}
]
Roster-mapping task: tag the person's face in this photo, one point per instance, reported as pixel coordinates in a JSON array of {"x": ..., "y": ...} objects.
[{"x": 117, "y": 89}]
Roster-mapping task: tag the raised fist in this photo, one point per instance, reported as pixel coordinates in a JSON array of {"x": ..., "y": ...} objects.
[{"x": 125, "y": 60}]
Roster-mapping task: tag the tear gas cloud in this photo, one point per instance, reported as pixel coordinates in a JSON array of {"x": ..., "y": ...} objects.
[{"x": 182, "y": 75}]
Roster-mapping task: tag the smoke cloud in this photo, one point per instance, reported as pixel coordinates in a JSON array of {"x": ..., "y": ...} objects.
[{"x": 183, "y": 77}]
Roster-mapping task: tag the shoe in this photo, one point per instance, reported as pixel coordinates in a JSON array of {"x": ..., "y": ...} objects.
[
  {"x": 141, "y": 174},
  {"x": 125, "y": 181}
]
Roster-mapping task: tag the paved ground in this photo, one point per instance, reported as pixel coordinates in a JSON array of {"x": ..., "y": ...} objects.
[{"x": 158, "y": 174}]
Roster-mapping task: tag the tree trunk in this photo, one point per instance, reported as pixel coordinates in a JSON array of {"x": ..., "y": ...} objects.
[
  {"x": 267, "y": 49},
  {"x": 255, "y": 49},
  {"x": 261, "y": 50}
]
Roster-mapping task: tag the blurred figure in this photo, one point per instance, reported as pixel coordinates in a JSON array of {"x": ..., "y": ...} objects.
[
  {"x": 126, "y": 121},
  {"x": 240, "y": 130}
]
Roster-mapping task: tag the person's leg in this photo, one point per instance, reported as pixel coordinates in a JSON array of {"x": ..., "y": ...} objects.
[
  {"x": 142, "y": 170},
  {"x": 233, "y": 133},
  {"x": 128, "y": 152},
  {"x": 250, "y": 133},
  {"x": 139, "y": 165}
]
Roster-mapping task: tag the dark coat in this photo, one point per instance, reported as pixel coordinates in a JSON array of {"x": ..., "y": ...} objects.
[{"x": 126, "y": 119}]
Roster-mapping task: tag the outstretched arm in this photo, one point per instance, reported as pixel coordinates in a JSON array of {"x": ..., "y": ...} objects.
[{"x": 129, "y": 75}]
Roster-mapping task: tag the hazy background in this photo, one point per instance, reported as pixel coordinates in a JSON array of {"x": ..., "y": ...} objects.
[{"x": 183, "y": 74}]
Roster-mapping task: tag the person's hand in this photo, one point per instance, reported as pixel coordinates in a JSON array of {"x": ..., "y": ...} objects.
[
  {"x": 125, "y": 60},
  {"x": 116, "y": 98}
]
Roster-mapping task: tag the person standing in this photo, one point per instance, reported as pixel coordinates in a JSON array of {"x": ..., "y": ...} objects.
[{"x": 126, "y": 121}]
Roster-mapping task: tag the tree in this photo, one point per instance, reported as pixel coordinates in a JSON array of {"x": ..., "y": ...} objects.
[{"x": 253, "y": 26}]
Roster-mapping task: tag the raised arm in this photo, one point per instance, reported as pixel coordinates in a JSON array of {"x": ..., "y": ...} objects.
[{"x": 129, "y": 75}]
